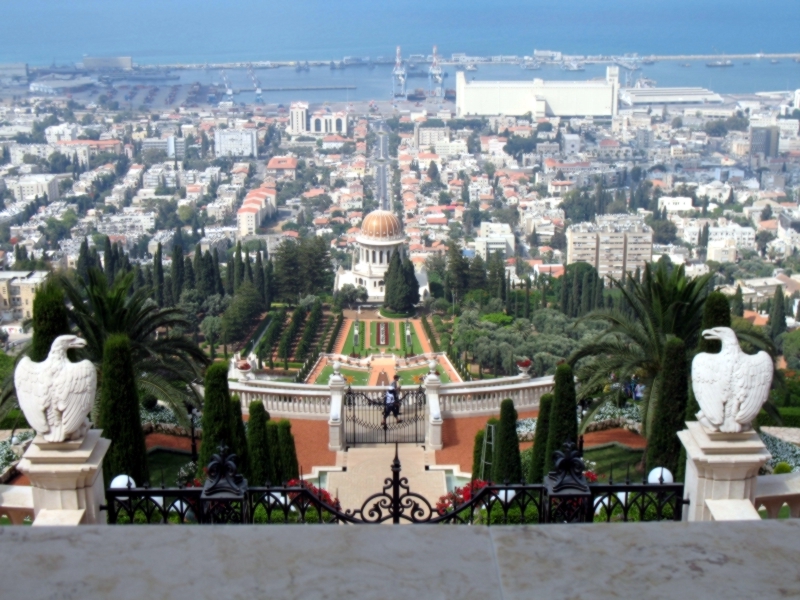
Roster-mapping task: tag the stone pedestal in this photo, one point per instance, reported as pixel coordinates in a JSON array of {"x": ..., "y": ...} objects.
[
  {"x": 433, "y": 431},
  {"x": 719, "y": 466},
  {"x": 336, "y": 441},
  {"x": 67, "y": 476}
]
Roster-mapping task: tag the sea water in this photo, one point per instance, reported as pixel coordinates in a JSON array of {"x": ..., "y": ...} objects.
[{"x": 41, "y": 32}]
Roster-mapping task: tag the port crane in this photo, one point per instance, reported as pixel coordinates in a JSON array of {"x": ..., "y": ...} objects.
[
  {"x": 256, "y": 84},
  {"x": 436, "y": 76},
  {"x": 398, "y": 76},
  {"x": 228, "y": 90}
]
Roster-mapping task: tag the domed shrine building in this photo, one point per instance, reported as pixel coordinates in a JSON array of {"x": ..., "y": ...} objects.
[{"x": 380, "y": 237}]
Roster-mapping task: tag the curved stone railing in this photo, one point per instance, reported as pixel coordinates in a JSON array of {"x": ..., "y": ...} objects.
[
  {"x": 285, "y": 400},
  {"x": 484, "y": 397},
  {"x": 474, "y": 398}
]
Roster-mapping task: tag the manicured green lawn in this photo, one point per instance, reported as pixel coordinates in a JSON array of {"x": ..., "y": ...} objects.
[
  {"x": 615, "y": 457},
  {"x": 166, "y": 464},
  {"x": 407, "y": 376},
  {"x": 358, "y": 377}
]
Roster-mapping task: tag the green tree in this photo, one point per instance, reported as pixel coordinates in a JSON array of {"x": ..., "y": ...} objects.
[
  {"x": 777, "y": 317},
  {"x": 257, "y": 444},
  {"x": 507, "y": 464},
  {"x": 476, "y": 276},
  {"x": 737, "y": 304},
  {"x": 457, "y": 275},
  {"x": 716, "y": 313},
  {"x": 217, "y": 418},
  {"x": 118, "y": 413},
  {"x": 563, "y": 425},
  {"x": 536, "y": 473},
  {"x": 165, "y": 364},
  {"x": 663, "y": 445},
  {"x": 288, "y": 452},
  {"x": 50, "y": 319},
  {"x": 239, "y": 446},
  {"x": 477, "y": 453},
  {"x": 664, "y": 303},
  {"x": 273, "y": 442},
  {"x": 158, "y": 276}
]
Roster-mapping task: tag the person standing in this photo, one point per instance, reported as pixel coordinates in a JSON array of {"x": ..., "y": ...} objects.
[{"x": 392, "y": 401}]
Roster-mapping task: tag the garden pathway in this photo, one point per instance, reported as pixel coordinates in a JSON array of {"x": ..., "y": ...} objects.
[
  {"x": 423, "y": 339},
  {"x": 343, "y": 333},
  {"x": 368, "y": 467},
  {"x": 378, "y": 365}
]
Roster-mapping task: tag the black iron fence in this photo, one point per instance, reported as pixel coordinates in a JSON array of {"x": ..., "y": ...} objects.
[
  {"x": 565, "y": 497},
  {"x": 368, "y": 419}
]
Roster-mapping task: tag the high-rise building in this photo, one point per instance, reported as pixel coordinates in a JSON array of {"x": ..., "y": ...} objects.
[
  {"x": 764, "y": 141},
  {"x": 613, "y": 244}
]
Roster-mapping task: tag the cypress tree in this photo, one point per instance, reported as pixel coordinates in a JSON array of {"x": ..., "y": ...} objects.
[
  {"x": 566, "y": 287},
  {"x": 737, "y": 304},
  {"x": 189, "y": 282},
  {"x": 588, "y": 291},
  {"x": 240, "y": 437},
  {"x": 158, "y": 276},
  {"x": 536, "y": 472},
  {"x": 108, "y": 261},
  {"x": 50, "y": 319},
  {"x": 526, "y": 313},
  {"x": 777, "y": 317},
  {"x": 288, "y": 452},
  {"x": 238, "y": 273},
  {"x": 476, "y": 278},
  {"x": 716, "y": 313},
  {"x": 269, "y": 285},
  {"x": 169, "y": 300},
  {"x": 663, "y": 445},
  {"x": 507, "y": 462},
  {"x": 257, "y": 445},
  {"x": 84, "y": 260},
  {"x": 118, "y": 413},
  {"x": 575, "y": 296},
  {"x": 217, "y": 419},
  {"x": 275, "y": 468},
  {"x": 217, "y": 275},
  {"x": 176, "y": 273},
  {"x": 199, "y": 270},
  {"x": 248, "y": 270},
  {"x": 258, "y": 277},
  {"x": 563, "y": 425},
  {"x": 411, "y": 298},
  {"x": 394, "y": 284},
  {"x": 230, "y": 283},
  {"x": 477, "y": 454}
]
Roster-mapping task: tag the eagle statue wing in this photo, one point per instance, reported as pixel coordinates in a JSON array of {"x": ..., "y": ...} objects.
[
  {"x": 753, "y": 375},
  {"x": 708, "y": 386},
  {"x": 77, "y": 386},
  {"x": 33, "y": 393}
]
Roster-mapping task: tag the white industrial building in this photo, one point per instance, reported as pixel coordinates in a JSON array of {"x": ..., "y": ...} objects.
[
  {"x": 538, "y": 97},
  {"x": 321, "y": 122},
  {"x": 236, "y": 142}
]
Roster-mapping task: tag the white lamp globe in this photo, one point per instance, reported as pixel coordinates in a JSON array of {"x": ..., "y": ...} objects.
[
  {"x": 660, "y": 475},
  {"x": 121, "y": 482}
]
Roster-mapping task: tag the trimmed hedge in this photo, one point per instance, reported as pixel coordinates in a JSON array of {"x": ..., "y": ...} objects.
[
  {"x": 507, "y": 466},
  {"x": 310, "y": 330},
  {"x": 563, "y": 426},
  {"x": 432, "y": 338},
  {"x": 790, "y": 415},
  {"x": 537, "y": 473},
  {"x": 298, "y": 316},
  {"x": 273, "y": 334},
  {"x": 258, "y": 445},
  {"x": 337, "y": 328}
]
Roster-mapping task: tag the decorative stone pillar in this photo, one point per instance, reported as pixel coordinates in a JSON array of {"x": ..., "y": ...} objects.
[
  {"x": 433, "y": 431},
  {"x": 67, "y": 476},
  {"x": 335, "y": 424},
  {"x": 719, "y": 466}
]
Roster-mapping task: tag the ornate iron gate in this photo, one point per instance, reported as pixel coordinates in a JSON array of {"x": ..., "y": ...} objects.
[{"x": 366, "y": 422}]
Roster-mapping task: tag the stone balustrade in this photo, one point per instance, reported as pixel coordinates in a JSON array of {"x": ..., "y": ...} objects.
[
  {"x": 775, "y": 491},
  {"x": 285, "y": 400},
  {"x": 483, "y": 397}
]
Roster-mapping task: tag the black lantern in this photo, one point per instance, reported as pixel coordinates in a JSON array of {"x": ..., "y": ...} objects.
[{"x": 567, "y": 495}]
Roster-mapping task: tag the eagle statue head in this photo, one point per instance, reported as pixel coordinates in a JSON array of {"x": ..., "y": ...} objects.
[
  {"x": 66, "y": 342},
  {"x": 726, "y": 335}
]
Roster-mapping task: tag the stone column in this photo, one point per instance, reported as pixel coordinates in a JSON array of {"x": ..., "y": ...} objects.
[
  {"x": 67, "y": 477},
  {"x": 433, "y": 431},
  {"x": 719, "y": 466},
  {"x": 335, "y": 424}
]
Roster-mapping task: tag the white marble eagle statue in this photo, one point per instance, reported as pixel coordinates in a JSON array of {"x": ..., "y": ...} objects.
[
  {"x": 56, "y": 395},
  {"x": 730, "y": 387}
]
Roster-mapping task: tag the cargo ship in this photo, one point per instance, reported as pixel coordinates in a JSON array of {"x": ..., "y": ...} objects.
[
  {"x": 720, "y": 63},
  {"x": 418, "y": 95}
]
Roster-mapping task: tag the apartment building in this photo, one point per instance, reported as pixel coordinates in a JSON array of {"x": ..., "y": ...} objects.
[
  {"x": 495, "y": 237},
  {"x": 173, "y": 147},
  {"x": 17, "y": 289},
  {"x": 28, "y": 187},
  {"x": 613, "y": 244},
  {"x": 235, "y": 142}
]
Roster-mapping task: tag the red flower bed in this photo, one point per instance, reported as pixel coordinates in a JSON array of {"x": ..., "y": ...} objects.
[
  {"x": 323, "y": 495},
  {"x": 459, "y": 496}
]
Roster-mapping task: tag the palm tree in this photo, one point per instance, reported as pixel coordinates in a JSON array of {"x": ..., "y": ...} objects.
[
  {"x": 666, "y": 303},
  {"x": 165, "y": 361}
]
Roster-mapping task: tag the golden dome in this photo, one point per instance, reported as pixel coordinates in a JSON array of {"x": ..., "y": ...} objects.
[{"x": 381, "y": 224}]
